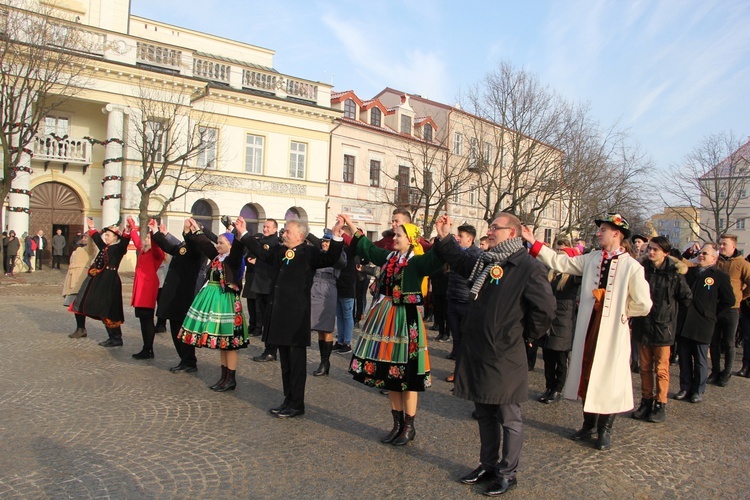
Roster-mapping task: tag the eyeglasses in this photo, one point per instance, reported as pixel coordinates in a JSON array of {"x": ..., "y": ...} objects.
[
  {"x": 495, "y": 227},
  {"x": 709, "y": 254}
]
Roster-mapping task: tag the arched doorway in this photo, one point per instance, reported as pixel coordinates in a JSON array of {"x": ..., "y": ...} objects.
[
  {"x": 203, "y": 213},
  {"x": 250, "y": 213},
  {"x": 55, "y": 206},
  {"x": 295, "y": 213}
]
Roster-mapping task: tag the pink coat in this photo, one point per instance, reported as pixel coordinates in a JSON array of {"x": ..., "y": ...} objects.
[{"x": 146, "y": 282}]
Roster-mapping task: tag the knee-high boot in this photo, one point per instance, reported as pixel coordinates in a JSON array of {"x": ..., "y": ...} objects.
[
  {"x": 229, "y": 383},
  {"x": 605, "y": 431},
  {"x": 589, "y": 424},
  {"x": 325, "y": 358}
]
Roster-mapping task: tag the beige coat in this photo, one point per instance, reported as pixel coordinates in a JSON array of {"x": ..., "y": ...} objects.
[
  {"x": 80, "y": 261},
  {"x": 627, "y": 295}
]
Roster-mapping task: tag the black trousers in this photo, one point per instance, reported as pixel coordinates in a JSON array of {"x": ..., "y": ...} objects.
[
  {"x": 253, "y": 325},
  {"x": 293, "y": 361},
  {"x": 39, "y": 255},
  {"x": 148, "y": 330},
  {"x": 184, "y": 351},
  {"x": 500, "y": 423},
  {"x": 456, "y": 312},
  {"x": 723, "y": 341},
  {"x": 555, "y": 368},
  {"x": 56, "y": 259},
  {"x": 439, "y": 306},
  {"x": 693, "y": 365},
  {"x": 261, "y": 306}
]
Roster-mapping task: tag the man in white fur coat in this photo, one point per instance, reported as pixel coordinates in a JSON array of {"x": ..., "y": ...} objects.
[{"x": 613, "y": 290}]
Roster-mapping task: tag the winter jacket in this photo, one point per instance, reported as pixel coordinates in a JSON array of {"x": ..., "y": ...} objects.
[
  {"x": 668, "y": 290},
  {"x": 738, "y": 270}
]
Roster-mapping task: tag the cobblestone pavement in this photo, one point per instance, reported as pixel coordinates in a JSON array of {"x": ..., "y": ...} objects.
[{"x": 82, "y": 421}]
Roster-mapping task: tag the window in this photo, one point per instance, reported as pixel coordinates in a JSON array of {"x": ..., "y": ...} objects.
[
  {"x": 743, "y": 193},
  {"x": 676, "y": 223},
  {"x": 473, "y": 192},
  {"x": 350, "y": 109},
  {"x": 456, "y": 197},
  {"x": 548, "y": 236},
  {"x": 740, "y": 223},
  {"x": 458, "y": 144},
  {"x": 154, "y": 141},
  {"x": 402, "y": 191},
  {"x": 349, "y": 169},
  {"x": 57, "y": 125},
  {"x": 375, "y": 116},
  {"x": 488, "y": 153},
  {"x": 375, "y": 173},
  {"x": 406, "y": 124},
  {"x": 473, "y": 154},
  {"x": 427, "y": 134},
  {"x": 207, "y": 155},
  {"x": 297, "y": 154},
  {"x": 253, "y": 154},
  {"x": 723, "y": 193},
  {"x": 721, "y": 225}
]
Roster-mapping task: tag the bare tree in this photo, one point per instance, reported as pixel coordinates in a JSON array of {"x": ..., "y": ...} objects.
[
  {"x": 712, "y": 180},
  {"x": 41, "y": 66},
  {"x": 434, "y": 177},
  {"x": 602, "y": 172},
  {"x": 517, "y": 124},
  {"x": 175, "y": 144}
]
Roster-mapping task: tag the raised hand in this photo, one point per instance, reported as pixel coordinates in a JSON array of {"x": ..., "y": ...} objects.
[
  {"x": 443, "y": 226},
  {"x": 131, "y": 222},
  {"x": 527, "y": 234},
  {"x": 339, "y": 226},
  {"x": 153, "y": 226},
  {"x": 240, "y": 225},
  {"x": 186, "y": 226},
  {"x": 90, "y": 223}
]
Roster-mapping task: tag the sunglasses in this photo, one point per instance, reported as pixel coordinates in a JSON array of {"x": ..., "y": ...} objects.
[{"x": 709, "y": 254}]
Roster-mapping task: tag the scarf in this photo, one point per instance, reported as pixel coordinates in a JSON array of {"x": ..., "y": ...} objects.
[{"x": 495, "y": 255}]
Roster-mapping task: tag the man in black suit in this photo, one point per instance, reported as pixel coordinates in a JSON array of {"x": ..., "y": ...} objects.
[
  {"x": 41, "y": 244},
  {"x": 262, "y": 279},
  {"x": 712, "y": 295},
  {"x": 178, "y": 291},
  {"x": 287, "y": 321}
]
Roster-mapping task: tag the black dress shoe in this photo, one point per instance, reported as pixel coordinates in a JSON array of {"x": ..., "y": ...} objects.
[
  {"x": 543, "y": 397},
  {"x": 713, "y": 378},
  {"x": 290, "y": 413},
  {"x": 183, "y": 369},
  {"x": 696, "y": 398},
  {"x": 111, "y": 343},
  {"x": 278, "y": 409},
  {"x": 500, "y": 486},
  {"x": 682, "y": 395},
  {"x": 478, "y": 475},
  {"x": 451, "y": 355},
  {"x": 554, "y": 397},
  {"x": 144, "y": 354},
  {"x": 264, "y": 357},
  {"x": 724, "y": 379}
]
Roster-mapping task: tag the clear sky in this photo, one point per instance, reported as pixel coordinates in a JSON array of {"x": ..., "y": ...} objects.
[{"x": 670, "y": 71}]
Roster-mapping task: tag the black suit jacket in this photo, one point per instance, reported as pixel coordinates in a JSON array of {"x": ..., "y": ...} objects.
[
  {"x": 178, "y": 291},
  {"x": 712, "y": 295}
]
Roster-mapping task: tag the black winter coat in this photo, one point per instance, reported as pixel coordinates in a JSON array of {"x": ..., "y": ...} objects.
[
  {"x": 178, "y": 291},
  {"x": 492, "y": 366},
  {"x": 560, "y": 335},
  {"x": 668, "y": 291},
  {"x": 458, "y": 287},
  {"x": 712, "y": 295},
  {"x": 287, "y": 321},
  {"x": 263, "y": 273}
]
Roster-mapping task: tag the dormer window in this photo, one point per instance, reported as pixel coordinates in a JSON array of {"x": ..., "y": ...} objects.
[
  {"x": 375, "y": 117},
  {"x": 405, "y": 124},
  {"x": 350, "y": 109},
  {"x": 427, "y": 134}
]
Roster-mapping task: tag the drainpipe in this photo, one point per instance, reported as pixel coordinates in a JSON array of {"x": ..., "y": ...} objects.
[{"x": 330, "y": 152}]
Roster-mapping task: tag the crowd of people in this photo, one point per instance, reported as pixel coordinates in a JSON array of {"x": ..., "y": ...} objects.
[{"x": 500, "y": 300}]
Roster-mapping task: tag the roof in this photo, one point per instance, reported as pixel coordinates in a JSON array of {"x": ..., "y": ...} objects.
[{"x": 738, "y": 158}]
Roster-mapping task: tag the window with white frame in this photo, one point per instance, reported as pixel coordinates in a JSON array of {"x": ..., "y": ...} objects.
[
  {"x": 254, "y": 154},
  {"x": 741, "y": 223},
  {"x": 375, "y": 173},
  {"x": 350, "y": 109},
  {"x": 458, "y": 143},
  {"x": 155, "y": 140},
  {"x": 488, "y": 153},
  {"x": 207, "y": 154},
  {"x": 456, "y": 196},
  {"x": 375, "y": 117},
  {"x": 57, "y": 125},
  {"x": 349, "y": 161},
  {"x": 427, "y": 134},
  {"x": 473, "y": 195},
  {"x": 405, "y": 124},
  {"x": 721, "y": 225},
  {"x": 297, "y": 158}
]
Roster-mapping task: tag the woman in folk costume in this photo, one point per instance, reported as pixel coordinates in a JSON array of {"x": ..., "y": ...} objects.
[
  {"x": 145, "y": 285},
  {"x": 391, "y": 353},
  {"x": 80, "y": 260},
  {"x": 215, "y": 319},
  {"x": 613, "y": 290},
  {"x": 100, "y": 296}
]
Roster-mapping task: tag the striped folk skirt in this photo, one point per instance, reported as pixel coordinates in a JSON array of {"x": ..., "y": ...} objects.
[
  {"x": 215, "y": 320},
  {"x": 391, "y": 353}
]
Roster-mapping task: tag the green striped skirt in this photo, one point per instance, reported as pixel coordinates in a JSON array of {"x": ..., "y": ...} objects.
[{"x": 215, "y": 320}]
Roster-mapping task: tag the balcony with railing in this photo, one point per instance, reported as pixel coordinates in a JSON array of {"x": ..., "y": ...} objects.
[
  {"x": 62, "y": 150},
  {"x": 256, "y": 79},
  {"x": 408, "y": 196},
  {"x": 158, "y": 56},
  {"x": 211, "y": 70}
]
